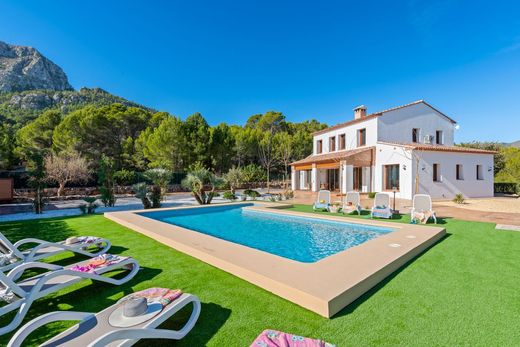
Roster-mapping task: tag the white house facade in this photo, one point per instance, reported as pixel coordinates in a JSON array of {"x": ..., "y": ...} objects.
[{"x": 409, "y": 149}]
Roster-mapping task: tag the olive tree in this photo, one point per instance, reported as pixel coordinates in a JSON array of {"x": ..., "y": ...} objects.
[{"x": 66, "y": 168}]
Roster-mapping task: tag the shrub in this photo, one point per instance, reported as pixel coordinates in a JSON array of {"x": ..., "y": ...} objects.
[
  {"x": 124, "y": 177},
  {"x": 90, "y": 206},
  {"x": 106, "y": 181},
  {"x": 229, "y": 195},
  {"x": 288, "y": 194},
  {"x": 253, "y": 173},
  {"x": 252, "y": 193},
  {"x": 506, "y": 187},
  {"x": 141, "y": 192},
  {"x": 459, "y": 198},
  {"x": 371, "y": 195}
]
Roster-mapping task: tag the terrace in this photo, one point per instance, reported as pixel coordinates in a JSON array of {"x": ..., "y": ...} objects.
[{"x": 448, "y": 295}]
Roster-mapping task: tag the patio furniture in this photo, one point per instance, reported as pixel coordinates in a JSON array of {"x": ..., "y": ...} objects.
[
  {"x": 422, "y": 208},
  {"x": 19, "y": 295},
  {"x": 132, "y": 318},
  {"x": 323, "y": 200},
  {"x": 11, "y": 255},
  {"x": 274, "y": 338},
  {"x": 351, "y": 203},
  {"x": 381, "y": 208}
]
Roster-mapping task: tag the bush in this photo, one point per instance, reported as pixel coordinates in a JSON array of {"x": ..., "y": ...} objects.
[
  {"x": 506, "y": 187},
  {"x": 252, "y": 193},
  {"x": 459, "y": 198},
  {"x": 141, "y": 192},
  {"x": 371, "y": 195},
  {"x": 90, "y": 206},
  {"x": 228, "y": 195},
  {"x": 124, "y": 177},
  {"x": 253, "y": 173},
  {"x": 288, "y": 194}
]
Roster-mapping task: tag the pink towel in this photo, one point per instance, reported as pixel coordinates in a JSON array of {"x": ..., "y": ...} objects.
[
  {"x": 273, "y": 338},
  {"x": 164, "y": 296},
  {"x": 99, "y": 262}
]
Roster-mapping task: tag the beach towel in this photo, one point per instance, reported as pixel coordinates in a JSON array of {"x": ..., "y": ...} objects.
[
  {"x": 99, "y": 262},
  {"x": 164, "y": 296},
  {"x": 273, "y": 338}
]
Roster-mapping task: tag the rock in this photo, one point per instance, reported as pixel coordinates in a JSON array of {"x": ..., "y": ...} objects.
[{"x": 24, "y": 68}]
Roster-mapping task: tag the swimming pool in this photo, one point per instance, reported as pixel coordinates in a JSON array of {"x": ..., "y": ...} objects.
[{"x": 302, "y": 239}]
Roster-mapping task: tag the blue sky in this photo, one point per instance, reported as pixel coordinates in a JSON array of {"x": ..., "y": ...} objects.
[{"x": 231, "y": 59}]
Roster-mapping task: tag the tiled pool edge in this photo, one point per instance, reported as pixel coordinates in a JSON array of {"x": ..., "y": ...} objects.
[{"x": 324, "y": 287}]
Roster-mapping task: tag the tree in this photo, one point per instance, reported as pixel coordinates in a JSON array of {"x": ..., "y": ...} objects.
[
  {"x": 66, "y": 168},
  {"x": 106, "y": 180},
  {"x": 284, "y": 150},
  {"x": 197, "y": 180},
  {"x": 234, "y": 178},
  {"x": 222, "y": 143},
  {"x": 166, "y": 146},
  {"x": 38, "y": 134},
  {"x": 7, "y": 157},
  {"x": 267, "y": 154},
  {"x": 197, "y": 134},
  {"x": 511, "y": 169}
]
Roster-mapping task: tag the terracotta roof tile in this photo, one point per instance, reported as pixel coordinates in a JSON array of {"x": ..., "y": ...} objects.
[
  {"x": 439, "y": 148},
  {"x": 334, "y": 156}
]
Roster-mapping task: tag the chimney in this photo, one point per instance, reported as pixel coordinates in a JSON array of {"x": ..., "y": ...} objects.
[{"x": 360, "y": 112}]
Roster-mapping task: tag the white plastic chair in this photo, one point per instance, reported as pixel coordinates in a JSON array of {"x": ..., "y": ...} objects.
[
  {"x": 19, "y": 295},
  {"x": 323, "y": 200},
  {"x": 13, "y": 256},
  {"x": 352, "y": 202},
  {"x": 381, "y": 208},
  {"x": 423, "y": 203},
  {"x": 94, "y": 330}
]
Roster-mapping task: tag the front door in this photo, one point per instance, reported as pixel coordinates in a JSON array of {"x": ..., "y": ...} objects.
[{"x": 358, "y": 178}]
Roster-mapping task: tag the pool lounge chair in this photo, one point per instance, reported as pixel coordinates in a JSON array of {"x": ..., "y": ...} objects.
[
  {"x": 323, "y": 200},
  {"x": 11, "y": 255},
  {"x": 351, "y": 203},
  {"x": 422, "y": 203},
  {"x": 95, "y": 329},
  {"x": 19, "y": 295},
  {"x": 381, "y": 208}
]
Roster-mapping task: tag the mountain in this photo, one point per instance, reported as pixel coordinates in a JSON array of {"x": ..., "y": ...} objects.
[
  {"x": 514, "y": 144},
  {"x": 24, "y": 68},
  {"x": 31, "y": 84}
]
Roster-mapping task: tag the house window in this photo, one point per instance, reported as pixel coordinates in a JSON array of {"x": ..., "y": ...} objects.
[
  {"x": 480, "y": 174},
  {"x": 362, "y": 137},
  {"x": 436, "y": 173},
  {"x": 332, "y": 143},
  {"x": 319, "y": 146},
  {"x": 415, "y": 135},
  {"x": 341, "y": 141},
  {"x": 458, "y": 172},
  {"x": 438, "y": 137},
  {"x": 391, "y": 177}
]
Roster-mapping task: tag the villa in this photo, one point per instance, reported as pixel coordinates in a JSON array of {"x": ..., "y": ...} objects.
[{"x": 408, "y": 149}]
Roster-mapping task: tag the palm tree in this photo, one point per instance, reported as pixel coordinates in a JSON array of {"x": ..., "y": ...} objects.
[{"x": 198, "y": 181}]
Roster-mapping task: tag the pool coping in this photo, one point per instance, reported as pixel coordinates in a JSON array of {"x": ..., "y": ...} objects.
[{"x": 325, "y": 286}]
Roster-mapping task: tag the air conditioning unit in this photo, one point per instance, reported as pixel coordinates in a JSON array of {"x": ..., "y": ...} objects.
[{"x": 428, "y": 139}]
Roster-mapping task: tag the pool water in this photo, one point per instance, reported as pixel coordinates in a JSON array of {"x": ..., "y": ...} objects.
[{"x": 298, "y": 238}]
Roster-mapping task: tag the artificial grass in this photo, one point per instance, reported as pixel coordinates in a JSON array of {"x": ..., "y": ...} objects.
[{"x": 462, "y": 291}]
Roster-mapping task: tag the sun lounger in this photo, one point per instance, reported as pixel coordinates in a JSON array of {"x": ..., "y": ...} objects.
[
  {"x": 323, "y": 201},
  {"x": 19, "y": 295},
  {"x": 422, "y": 204},
  {"x": 381, "y": 208},
  {"x": 274, "y": 338},
  {"x": 12, "y": 255},
  {"x": 121, "y": 324},
  {"x": 351, "y": 203}
]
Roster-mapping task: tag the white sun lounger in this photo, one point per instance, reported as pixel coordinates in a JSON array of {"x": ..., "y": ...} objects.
[
  {"x": 13, "y": 257},
  {"x": 352, "y": 203},
  {"x": 423, "y": 203},
  {"x": 94, "y": 330},
  {"x": 19, "y": 295},
  {"x": 323, "y": 195},
  {"x": 381, "y": 208}
]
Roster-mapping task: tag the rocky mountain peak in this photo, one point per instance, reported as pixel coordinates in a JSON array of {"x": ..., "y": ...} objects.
[{"x": 24, "y": 68}]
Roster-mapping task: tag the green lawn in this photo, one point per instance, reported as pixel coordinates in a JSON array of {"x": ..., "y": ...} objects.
[{"x": 463, "y": 291}]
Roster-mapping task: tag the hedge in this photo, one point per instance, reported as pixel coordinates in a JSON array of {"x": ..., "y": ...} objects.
[{"x": 506, "y": 187}]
